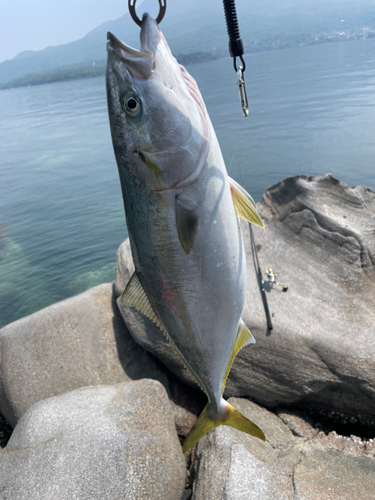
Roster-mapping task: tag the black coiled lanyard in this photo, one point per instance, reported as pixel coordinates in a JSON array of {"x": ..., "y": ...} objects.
[{"x": 236, "y": 50}]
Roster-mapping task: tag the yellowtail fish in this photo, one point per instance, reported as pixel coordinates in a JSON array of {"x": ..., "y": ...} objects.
[{"x": 182, "y": 215}]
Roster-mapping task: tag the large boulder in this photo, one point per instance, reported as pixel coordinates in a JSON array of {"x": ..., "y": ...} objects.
[
  {"x": 320, "y": 237},
  {"x": 308, "y": 464},
  {"x": 78, "y": 342},
  {"x": 96, "y": 443}
]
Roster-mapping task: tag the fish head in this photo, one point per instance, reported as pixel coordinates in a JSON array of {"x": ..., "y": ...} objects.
[{"x": 159, "y": 124}]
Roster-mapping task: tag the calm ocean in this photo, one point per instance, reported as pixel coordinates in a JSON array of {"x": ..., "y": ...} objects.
[{"x": 312, "y": 111}]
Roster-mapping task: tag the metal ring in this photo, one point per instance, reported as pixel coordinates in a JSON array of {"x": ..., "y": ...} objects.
[{"x": 163, "y": 8}]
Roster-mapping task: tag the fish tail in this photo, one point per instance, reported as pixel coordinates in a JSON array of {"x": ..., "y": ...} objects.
[{"x": 210, "y": 418}]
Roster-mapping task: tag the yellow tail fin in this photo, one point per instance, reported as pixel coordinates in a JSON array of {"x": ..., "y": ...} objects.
[{"x": 233, "y": 418}]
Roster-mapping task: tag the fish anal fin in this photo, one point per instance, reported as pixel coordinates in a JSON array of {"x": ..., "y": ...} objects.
[
  {"x": 232, "y": 417},
  {"x": 244, "y": 337},
  {"x": 187, "y": 222},
  {"x": 244, "y": 204},
  {"x": 135, "y": 296}
]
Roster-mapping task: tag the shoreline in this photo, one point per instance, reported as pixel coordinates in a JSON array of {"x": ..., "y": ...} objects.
[{"x": 88, "y": 69}]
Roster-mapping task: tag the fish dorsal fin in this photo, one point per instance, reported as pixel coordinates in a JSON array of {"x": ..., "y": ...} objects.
[
  {"x": 244, "y": 337},
  {"x": 187, "y": 222},
  {"x": 135, "y": 296},
  {"x": 244, "y": 204}
]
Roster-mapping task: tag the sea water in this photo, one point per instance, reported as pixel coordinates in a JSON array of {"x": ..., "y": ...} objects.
[{"x": 312, "y": 111}]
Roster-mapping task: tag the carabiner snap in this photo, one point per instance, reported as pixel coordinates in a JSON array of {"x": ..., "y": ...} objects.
[
  {"x": 163, "y": 8},
  {"x": 242, "y": 91}
]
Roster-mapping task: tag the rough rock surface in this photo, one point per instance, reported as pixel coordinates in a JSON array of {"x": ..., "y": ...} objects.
[
  {"x": 230, "y": 465},
  {"x": 320, "y": 237},
  {"x": 78, "y": 342},
  {"x": 105, "y": 443}
]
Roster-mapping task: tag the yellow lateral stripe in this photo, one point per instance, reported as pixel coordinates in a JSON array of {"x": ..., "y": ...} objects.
[
  {"x": 244, "y": 337},
  {"x": 244, "y": 204}
]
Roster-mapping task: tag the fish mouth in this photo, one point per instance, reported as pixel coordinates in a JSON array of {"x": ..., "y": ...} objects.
[
  {"x": 140, "y": 63},
  {"x": 119, "y": 47}
]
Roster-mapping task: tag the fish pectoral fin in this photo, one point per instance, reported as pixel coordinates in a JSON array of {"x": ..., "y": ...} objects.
[
  {"x": 244, "y": 204},
  {"x": 233, "y": 418},
  {"x": 187, "y": 222},
  {"x": 244, "y": 337},
  {"x": 135, "y": 296}
]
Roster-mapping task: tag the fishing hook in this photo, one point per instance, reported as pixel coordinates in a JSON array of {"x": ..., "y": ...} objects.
[{"x": 162, "y": 9}]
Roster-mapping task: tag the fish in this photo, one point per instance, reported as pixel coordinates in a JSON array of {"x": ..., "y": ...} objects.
[{"x": 182, "y": 213}]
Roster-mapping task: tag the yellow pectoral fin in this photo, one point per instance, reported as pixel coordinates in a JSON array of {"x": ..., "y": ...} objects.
[
  {"x": 244, "y": 204},
  {"x": 244, "y": 337}
]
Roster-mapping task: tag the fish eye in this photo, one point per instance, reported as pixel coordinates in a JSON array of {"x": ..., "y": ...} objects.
[{"x": 131, "y": 104}]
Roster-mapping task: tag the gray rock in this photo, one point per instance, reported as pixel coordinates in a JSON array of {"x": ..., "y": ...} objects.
[
  {"x": 230, "y": 465},
  {"x": 320, "y": 238},
  {"x": 331, "y": 475},
  {"x": 301, "y": 427},
  {"x": 105, "y": 443},
  {"x": 249, "y": 479},
  {"x": 78, "y": 342}
]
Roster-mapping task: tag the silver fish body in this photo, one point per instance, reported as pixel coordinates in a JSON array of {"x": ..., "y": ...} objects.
[
  {"x": 183, "y": 227},
  {"x": 198, "y": 296}
]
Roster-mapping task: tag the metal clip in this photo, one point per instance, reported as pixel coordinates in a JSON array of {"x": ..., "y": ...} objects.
[{"x": 242, "y": 91}]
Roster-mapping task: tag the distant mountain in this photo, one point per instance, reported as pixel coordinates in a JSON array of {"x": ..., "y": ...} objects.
[{"x": 199, "y": 25}]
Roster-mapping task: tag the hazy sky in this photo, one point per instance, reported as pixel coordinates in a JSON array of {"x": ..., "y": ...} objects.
[{"x": 36, "y": 24}]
